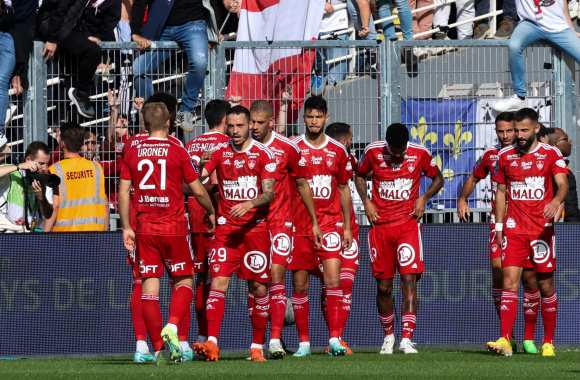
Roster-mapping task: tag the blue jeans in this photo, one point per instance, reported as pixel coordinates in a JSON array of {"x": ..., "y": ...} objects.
[
  {"x": 352, "y": 10},
  {"x": 192, "y": 38},
  {"x": 334, "y": 72},
  {"x": 405, "y": 16},
  {"x": 509, "y": 8},
  {"x": 7, "y": 63},
  {"x": 527, "y": 33}
]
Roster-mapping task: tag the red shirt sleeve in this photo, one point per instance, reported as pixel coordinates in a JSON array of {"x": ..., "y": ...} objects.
[
  {"x": 344, "y": 168},
  {"x": 365, "y": 165},
  {"x": 481, "y": 168},
  {"x": 429, "y": 167},
  {"x": 269, "y": 168},
  {"x": 124, "y": 169},
  {"x": 497, "y": 174},
  {"x": 559, "y": 166},
  {"x": 187, "y": 168},
  {"x": 293, "y": 158},
  {"x": 213, "y": 161}
]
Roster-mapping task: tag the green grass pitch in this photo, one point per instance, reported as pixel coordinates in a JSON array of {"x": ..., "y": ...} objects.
[{"x": 429, "y": 364}]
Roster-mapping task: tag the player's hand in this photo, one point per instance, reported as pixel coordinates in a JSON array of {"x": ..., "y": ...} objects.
[
  {"x": 205, "y": 156},
  {"x": 559, "y": 213},
  {"x": 499, "y": 239},
  {"x": 551, "y": 209},
  {"x": 37, "y": 188},
  {"x": 142, "y": 42},
  {"x": 371, "y": 211},
  {"x": 363, "y": 32},
  {"x": 211, "y": 223},
  {"x": 462, "y": 209},
  {"x": 49, "y": 50},
  {"x": 346, "y": 239},
  {"x": 95, "y": 40},
  {"x": 241, "y": 209},
  {"x": 317, "y": 234},
  {"x": 129, "y": 239},
  {"x": 419, "y": 208}
]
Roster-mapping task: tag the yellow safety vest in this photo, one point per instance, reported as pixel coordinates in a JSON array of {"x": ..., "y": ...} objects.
[{"x": 83, "y": 202}]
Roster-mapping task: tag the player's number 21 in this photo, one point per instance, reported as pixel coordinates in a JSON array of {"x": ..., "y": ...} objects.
[{"x": 150, "y": 167}]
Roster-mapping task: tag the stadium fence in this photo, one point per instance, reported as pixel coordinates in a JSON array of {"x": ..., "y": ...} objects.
[{"x": 69, "y": 294}]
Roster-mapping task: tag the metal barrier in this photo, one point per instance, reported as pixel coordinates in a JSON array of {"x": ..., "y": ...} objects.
[{"x": 446, "y": 103}]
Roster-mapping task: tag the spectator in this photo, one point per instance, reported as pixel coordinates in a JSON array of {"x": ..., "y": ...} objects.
[
  {"x": 191, "y": 24},
  {"x": 7, "y": 62},
  {"x": 540, "y": 22},
  {"x": 78, "y": 27},
  {"x": 22, "y": 32},
  {"x": 90, "y": 148},
  {"x": 404, "y": 15},
  {"x": 465, "y": 12},
  {"x": 26, "y": 191},
  {"x": 422, "y": 21},
  {"x": 81, "y": 204},
  {"x": 506, "y": 25}
]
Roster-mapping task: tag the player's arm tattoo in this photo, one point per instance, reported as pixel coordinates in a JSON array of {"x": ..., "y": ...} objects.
[
  {"x": 436, "y": 185},
  {"x": 345, "y": 204},
  {"x": 500, "y": 206},
  {"x": 124, "y": 202},
  {"x": 360, "y": 183},
  {"x": 306, "y": 195},
  {"x": 267, "y": 193},
  {"x": 562, "y": 183}
]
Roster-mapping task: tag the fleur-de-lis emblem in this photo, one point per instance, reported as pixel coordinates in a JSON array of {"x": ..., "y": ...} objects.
[
  {"x": 420, "y": 132},
  {"x": 447, "y": 173},
  {"x": 456, "y": 140}
]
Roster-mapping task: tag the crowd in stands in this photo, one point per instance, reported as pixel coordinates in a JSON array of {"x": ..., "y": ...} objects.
[{"x": 76, "y": 28}]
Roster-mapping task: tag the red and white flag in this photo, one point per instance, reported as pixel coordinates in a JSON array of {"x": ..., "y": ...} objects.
[{"x": 265, "y": 74}]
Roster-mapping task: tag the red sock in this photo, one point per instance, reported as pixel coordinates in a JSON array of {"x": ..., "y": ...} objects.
[
  {"x": 388, "y": 323},
  {"x": 549, "y": 314},
  {"x": 259, "y": 317},
  {"x": 409, "y": 321},
  {"x": 301, "y": 308},
  {"x": 277, "y": 309},
  {"x": 137, "y": 311},
  {"x": 201, "y": 292},
  {"x": 333, "y": 305},
  {"x": 496, "y": 294},
  {"x": 152, "y": 317},
  {"x": 181, "y": 297},
  {"x": 215, "y": 309},
  {"x": 508, "y": 313},
  {"x": 346, "y": 283},
  {"x": 531, "y": 308}
]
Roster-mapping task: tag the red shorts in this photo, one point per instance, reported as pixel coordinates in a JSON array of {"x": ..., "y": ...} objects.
[
  {"x": 494, "y": 246},
  {"x": 282, "y": 237},
  {"x": 200, "y": 244},
  {"x": 349, "y": 257},
  {"x": 132, "y": 261},
  {"x": 244, "y": 252},
  {"x": 530, "y": 251},
  {"x": 305, "y": 255},
  {"x": 173, "y": 252},
  {"x": 397, "y": 248}
]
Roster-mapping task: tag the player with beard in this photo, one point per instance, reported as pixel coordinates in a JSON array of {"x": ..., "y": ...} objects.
[
  {"x": 395, "y": 167},
  {"x": 504, "y": 129},
  {"x": 280, "y": 221},
  {"x": 525, "y": 175},
  {"x": 325, "y": 165},
  {"x": 246, "y": 173}
]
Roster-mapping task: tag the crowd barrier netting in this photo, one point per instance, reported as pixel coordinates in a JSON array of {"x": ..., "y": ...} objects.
[{"x": 68, "y": 294}]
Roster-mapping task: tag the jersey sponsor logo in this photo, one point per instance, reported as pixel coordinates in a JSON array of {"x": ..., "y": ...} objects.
[
  {"x": 271, "y": 167},
  {"x": 348, "y": 166},
  {"x": 227, "y": 162},
  {"x": 561, "y": 163},
  {"x": 321, "y": 186},
  {"x": 316, "y": 160},
  {"x": 397, "y": 190},
  {"x": 245, "y": 188},
  {"x": 281, "y": 244},
  {"x": 252, "y": 164},
  {"x": 510, "y": 223},
  {"x": 144, "y": 269},
  {"x": 352, "y": 252},
  {"x": 331, "y": 241},
  {"x": 154, "y": 200},
  {"x": 531, "y": 189},
  {"x": 238, "y": 164},
  {"x": 302, "y": 161},
  {"x": 255, "y": 261},
  {"x": 526, "y": 165},
  {"x": 541, "y": 251},
  {"x": 405, "y": 254},
  {"x": 514, "y": 164}
]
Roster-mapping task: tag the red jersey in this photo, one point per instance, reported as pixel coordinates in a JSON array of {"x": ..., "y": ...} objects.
[
  {"x": 240, "y": 175},
  {"x": 396, "y": 182},
  {"x": 484, "y": 166},
  {"x": 529, "y": 185},
  {"x": 207, "y": 142},
  {"x": 353, "y": 222},
  {"x": 325, "y": 167},
  {"x": 287, "y": 156},
  {"x": 157, "y": 169}
]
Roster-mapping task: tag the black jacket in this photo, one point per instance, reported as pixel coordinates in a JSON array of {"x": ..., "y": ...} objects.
[
  {"x": 59, "y": 18},
  {"x": 6, "y": 16}
]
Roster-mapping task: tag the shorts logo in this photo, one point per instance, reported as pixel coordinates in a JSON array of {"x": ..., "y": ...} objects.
[
  {"x": 352, "y": 252},
  {"x": 255, "y": 261},
  {"x": 221, "y": 220},
  {"x": 405, "y": 254},
  {"x": 144, "y": 269},
  {"x": 177, "y": 267},
  {"x": 373, "y": 254},
  {"x": 216, "y": 268},
  {"x": 281, "y": 244},
  {"x": 331, "y": 241},
  {"x": 541, "y": 251},
  {"x": 504, "y": 243}
]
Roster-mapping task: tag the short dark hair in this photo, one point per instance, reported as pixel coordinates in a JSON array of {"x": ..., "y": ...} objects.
[
  {"x": 215, "y": 111},
  {"x": 316, "y": 102},
  {"x": 397, "y": 135},
  {"x": 72, "y": 136},
  {"x": 34, "y": 147},
  {"x": 262, "y": 106},
  {"x": 526, "y": 113},
  {"x": 504, "y": 116},
  {"x": 239, "y": 110},
  {"x": 169, "y": 100},
  {"x": 338, "y": 130}
]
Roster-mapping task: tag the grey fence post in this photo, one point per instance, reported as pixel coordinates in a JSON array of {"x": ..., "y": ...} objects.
[
  {"x": 35, "y": 116},
  {"x": 394, "y": 84},
  {"x": 219, "y": 80}
]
